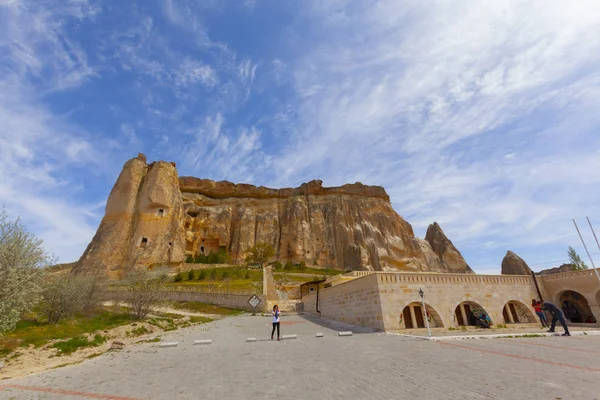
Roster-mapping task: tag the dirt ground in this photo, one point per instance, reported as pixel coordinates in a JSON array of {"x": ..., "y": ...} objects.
[{"x": 31, "y": 360}]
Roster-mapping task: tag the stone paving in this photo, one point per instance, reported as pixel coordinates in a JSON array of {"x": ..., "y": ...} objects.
[{"x": 366, "y": 365}]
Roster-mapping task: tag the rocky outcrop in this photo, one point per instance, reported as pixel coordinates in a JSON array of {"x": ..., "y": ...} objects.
[
  {"x": 512, "y": 264},
  {"x": 556, "y": 270},
  {"x": 154, "y": 218},
  {"x": 143, "y": 221},
  {"x": 448, "y": 254}
]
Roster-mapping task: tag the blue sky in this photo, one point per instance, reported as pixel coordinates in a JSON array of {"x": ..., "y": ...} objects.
[{"x": 482, "y": 116}]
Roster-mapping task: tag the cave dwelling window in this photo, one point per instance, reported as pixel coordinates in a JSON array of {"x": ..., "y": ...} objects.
[
  {"x": 161, "y": 212},
  {"x": 144, "y": 242}
]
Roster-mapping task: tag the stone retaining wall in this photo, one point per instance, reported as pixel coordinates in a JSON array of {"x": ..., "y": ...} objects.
[{"x": 234, "y": 301}]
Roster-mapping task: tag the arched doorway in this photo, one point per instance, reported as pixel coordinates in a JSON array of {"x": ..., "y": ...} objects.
[
  {"x": 515, "y": 312},
  {"x": 412, "y": 316},
  {"x": 467, "y": 313},
  {"x": 575, "y": 307}
]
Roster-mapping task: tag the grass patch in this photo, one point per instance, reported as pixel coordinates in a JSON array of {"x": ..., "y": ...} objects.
[
  {"x": 78, "y": 342},
  {"x": 154, "y": 340},
  {"x": 37, "y": 333},
  {"x": 139, "y": 331},
  {"x": 500, "y": 326},
  {"x": 203, "y": 308},
  {"x": 199, "y": 320},
  {"x": 451, "y": 328}
]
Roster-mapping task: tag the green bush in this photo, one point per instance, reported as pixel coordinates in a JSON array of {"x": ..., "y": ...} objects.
[
  {"x": 189, "y": 259},
  {"x": 247, "y": 275},
  {"x": 190, "y": 275},
  {"x": 302, "y": 266},
  {"x": 178, "y": 278},
  {"x": 201, "y": 259},
  {"x": 201, "y": 275},
  {"x": 277, "y": 265},
  {"x": 213, "y": 274},
  {"x": 288, "y": 266},
  {"x": 225, "y": 275}
]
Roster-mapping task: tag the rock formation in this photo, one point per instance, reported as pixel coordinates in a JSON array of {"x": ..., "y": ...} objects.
[
  {"x": 448, "y": 254},
  {"x": 143, "y": 221},
  {"x": 512, "y": 264},
  {"x": 556, "y": 270},
  {"x": 155, "y": 218}
]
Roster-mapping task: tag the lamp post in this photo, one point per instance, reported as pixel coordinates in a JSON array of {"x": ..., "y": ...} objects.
[{"x": 422, "y": 294}]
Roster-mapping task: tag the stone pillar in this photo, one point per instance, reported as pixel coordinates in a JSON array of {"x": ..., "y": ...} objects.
[
  {"x": 463, "y": 313},
  {"x": 413, "y": 317},
  {"x": 596, "y": 312},
  {"x": 511, "y": 319}
]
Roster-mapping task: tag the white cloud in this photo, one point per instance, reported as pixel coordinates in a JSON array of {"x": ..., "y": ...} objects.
[{"x": 477, "y": 115}]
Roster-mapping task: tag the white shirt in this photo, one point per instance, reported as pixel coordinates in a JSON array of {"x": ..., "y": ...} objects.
[{"x": 276, "y": 316}]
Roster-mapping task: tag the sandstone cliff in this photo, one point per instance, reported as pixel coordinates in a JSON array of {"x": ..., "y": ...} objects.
[
  {"x": 448, "y": 254},
  {"x": 512, "y": 264},
  {"x": 143, "y": 221},
  {"x": 155, "y": 218}
]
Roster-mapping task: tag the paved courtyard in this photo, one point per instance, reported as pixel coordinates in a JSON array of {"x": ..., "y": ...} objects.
[{"x": 365, "y": 366}]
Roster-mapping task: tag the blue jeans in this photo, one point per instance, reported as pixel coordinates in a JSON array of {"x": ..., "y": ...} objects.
[
  {"x": 542, "y": 318},
  {"x": 560, "y": 318}
]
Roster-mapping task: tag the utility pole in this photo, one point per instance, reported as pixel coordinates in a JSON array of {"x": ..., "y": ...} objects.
[{"x": 586, "y": 250}]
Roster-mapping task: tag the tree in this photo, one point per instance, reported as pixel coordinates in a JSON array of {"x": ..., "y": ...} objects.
[
  {"x": 22, "y": 259},
  {"x": 576, "y": 261},
  {"x": 260, "y": 254},
  {"x": 144, "y": 291}
]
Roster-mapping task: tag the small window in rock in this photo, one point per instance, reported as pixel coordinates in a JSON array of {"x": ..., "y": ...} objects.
[
  {"x": 161, "y": 212},
  {"x": 202, "y": 249},
  {"x": 144, "y": 242},
  {"x": 170, "y": 243},
  {"x": 202, "y": 240}
]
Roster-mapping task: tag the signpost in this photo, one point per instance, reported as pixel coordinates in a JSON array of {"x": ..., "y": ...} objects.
[{"x": 254, "y": 302}]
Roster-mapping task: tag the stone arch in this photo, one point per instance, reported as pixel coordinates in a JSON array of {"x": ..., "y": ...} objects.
[
  {"x": 575, "y": 306},
  {"x": 466, "y": 313},
  {"x": 407, "y": 321},
  {"x": 515, "y": 312}
]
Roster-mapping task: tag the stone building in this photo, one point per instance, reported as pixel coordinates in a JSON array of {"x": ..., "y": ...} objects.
[{"x": 391, "y": 301}]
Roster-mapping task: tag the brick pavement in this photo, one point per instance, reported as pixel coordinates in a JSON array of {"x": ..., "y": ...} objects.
[{"x": 365, "y": 366}]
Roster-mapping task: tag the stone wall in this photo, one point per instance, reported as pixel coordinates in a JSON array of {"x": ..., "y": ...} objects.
[
  {"x": 234, "y": 301},
  {"x": 356, "y": 302}
]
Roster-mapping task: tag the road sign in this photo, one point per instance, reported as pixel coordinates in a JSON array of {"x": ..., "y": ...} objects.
[{"x": 254, "y": 302}]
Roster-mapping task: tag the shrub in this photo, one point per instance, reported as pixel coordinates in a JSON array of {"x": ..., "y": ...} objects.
[
  {"x": 64, "y": 296},
  {"x": 213, "y": 274},
  {"x": 178, "y": 278},
  {"x": 190, "y": 275},
  {"x": 145, "y": 290},
  {"x": 247, "y": 275},
  {"x": 302, "y": 266},
  {"x": 277, "y": 265},
  {"x": 225, "y": 275},
  {"x": 260, "y": 254},
  {"x": 288, "y": 266},
  {"x": 201, "y": 275},
  {"x": 189, "y": 259}
]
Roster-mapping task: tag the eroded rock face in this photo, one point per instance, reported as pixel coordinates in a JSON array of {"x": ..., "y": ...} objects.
[
  {"x": 512, "y": 264},
  {"x": 154, "y": 218},
  {"x": 349, "y": 227},
  {"x": 556, "y": 270},
  {"x": 448, "y": 254},
  {"x": 143, "y": 222}
]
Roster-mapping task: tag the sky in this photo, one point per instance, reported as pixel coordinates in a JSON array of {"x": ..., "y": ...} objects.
[{"x": 483, "y": 116}]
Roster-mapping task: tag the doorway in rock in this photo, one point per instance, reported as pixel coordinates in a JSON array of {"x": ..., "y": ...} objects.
[{"x": 467, "y": 313}]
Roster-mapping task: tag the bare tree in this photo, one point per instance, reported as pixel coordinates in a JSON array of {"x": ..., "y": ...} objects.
[
  {"x": 22, "y": 259},
  {"x": 260, "y": 254},
  {"x": 145, "y": 289}
]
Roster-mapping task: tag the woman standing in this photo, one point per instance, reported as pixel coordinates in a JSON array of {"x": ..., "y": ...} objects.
[{"x": 276, "y": 315}]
